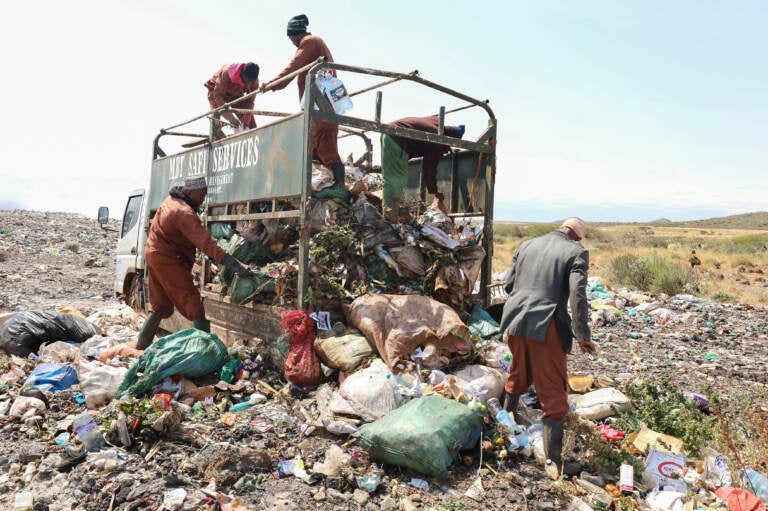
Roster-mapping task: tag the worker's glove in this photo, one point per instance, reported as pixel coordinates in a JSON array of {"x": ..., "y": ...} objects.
[
  {"x": 588, "y": 347},
  {"x": 236, "y": 266}
]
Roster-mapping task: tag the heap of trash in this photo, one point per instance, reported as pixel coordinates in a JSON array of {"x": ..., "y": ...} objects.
[
  {"x": 395, "y": 406},
  {"x": 354, "y": 251}
]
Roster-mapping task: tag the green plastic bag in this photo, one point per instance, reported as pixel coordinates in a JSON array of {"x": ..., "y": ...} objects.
[
  {"x": 245, "y": 252},
  {"x": 192, "y": 353},
  {"x": 244, "y": 290},
  {"x": 425, "y": 434},
  {"x": 481, "y": 324},
  {"x": 222, "y": 230}
]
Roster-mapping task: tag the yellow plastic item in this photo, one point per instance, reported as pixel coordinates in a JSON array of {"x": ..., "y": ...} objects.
[{"x": 580, "y": 383}]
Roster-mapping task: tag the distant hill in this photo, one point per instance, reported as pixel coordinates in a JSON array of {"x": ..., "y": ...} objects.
[{"x": 756, "y": 220}]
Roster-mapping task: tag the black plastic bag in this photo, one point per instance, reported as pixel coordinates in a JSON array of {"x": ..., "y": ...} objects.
[{"x": 26, "y": 331}]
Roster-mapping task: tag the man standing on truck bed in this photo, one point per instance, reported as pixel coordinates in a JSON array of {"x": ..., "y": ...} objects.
[
  {"x": 546, "y": 272},
  {"x": 175, "y": 233},
  {"x": 229, "y": 83},
  {"x": 325, "y": 134},
  {"x": 395, "y": 152}
]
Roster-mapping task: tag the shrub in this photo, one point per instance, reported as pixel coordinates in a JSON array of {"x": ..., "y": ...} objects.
[
  {"x": 600, "y": 235},
  {"x": 72, "y": 246},
  {"x": 724, "y": 296},
  {"x": 748, "y": 243},
  {"x": 534, "y": 230},
  {"x": 651, "y": 273},
  {"x": 659, "y": 406}
]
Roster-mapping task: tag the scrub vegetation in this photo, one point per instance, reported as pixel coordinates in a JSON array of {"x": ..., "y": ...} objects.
[{"x": 732, "y": 254}]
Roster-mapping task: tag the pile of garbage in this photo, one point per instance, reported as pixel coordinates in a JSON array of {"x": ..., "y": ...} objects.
[
  {"x": 354, "y": 251},
  {"x": 396, "y": 407}
]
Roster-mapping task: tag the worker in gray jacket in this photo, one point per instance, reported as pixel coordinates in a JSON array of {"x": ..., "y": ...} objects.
[{"x": 546, "y": 273}]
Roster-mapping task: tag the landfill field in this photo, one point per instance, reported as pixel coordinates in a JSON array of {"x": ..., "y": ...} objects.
[{"x": 671, "y": 412}]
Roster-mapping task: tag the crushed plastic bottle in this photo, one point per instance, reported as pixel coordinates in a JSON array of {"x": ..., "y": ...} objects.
[
  {"x": 88, "y": 431},
  {"x": 551, "y": 470},
  {"x": 517, "y": 438}
]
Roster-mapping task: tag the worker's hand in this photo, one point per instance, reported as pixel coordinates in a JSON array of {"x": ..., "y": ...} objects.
[
  {"x": 236, "y": 266},
  {"x": 588, "y": 347}
]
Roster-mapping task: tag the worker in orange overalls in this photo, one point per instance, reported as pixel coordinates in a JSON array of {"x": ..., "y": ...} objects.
[
  {"x": 175, "y": 233},
  {"x": 325, "y": 134}
]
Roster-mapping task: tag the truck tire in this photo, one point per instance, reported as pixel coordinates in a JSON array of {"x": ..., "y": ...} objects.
[{"x": 134, "y": 297}]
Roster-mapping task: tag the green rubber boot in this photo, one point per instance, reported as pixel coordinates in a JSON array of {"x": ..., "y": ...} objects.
[
  {"x": 148, "y": 331},
  {"x": 202, "y": 324}
]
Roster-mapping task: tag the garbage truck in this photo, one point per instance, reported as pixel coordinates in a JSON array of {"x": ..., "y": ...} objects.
[{"x": 265, "y": 175}]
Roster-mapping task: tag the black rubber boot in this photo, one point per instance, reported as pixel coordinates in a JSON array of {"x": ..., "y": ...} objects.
[
  {"x": 338, "y": 174},
  {"x": 552, "y": 438},
  {"x": 202, "y": 324},
  {"x": 148, "y": 331}
]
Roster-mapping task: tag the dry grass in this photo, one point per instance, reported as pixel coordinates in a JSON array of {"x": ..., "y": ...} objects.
[{"x": 734, "y": 262}]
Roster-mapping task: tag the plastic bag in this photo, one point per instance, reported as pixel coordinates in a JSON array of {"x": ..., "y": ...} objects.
[
  {"x": 59, "y": 352},
  {"x": 599, "y": 403},
  {"x": 99, "y": 382},
  {"x": 425, "y": 434},
  {"x": 481, "y": 323},
  {"x": 192, "y": 353},
  {"x": 345, "y": 352},
  {"x": 322, "y": 177},
  {"x": 244, "y": 290},
  {"x": 482, "y": 382},
  {"x": 370, "y": 392},
  {"x": 26, "y": 406},
  {"x": 302, "y": 366},
  {"x": 335, "y": 460},
  {"x": 25, "y": 333},
  {"x": 52, "y": 377}
]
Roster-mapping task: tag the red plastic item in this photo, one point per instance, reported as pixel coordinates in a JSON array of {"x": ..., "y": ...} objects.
[
  {"x": 609, "y": 434},
  {"x": 739, "y": 499},
  {"x": 162, "y": 401},
  {"x": 302, "y": 366}
]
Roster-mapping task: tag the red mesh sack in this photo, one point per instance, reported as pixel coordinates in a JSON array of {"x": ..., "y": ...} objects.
[{"x": 302, "y": 365}]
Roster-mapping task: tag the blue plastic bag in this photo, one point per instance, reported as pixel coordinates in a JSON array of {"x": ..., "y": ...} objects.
[{"x": 52, "y": 377}]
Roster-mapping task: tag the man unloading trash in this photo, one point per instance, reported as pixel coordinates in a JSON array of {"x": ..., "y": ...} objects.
[
  {"x": 175, "y": 233},
  {"x": 230, "y": 83},
  {"x": 395, "y": 152},
  {"x": 546, "y": 273},
  {"x": 325, "y": 135}
]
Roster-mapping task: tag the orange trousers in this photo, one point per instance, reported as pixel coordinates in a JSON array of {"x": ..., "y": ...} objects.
[
  {"x": 171, "y": 285},
  {"x": 326, "y": 142},
  {"x": 543, "y": 364}
]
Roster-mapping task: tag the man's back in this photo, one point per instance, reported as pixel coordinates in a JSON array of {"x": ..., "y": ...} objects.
[{"x": 544, "y": 271}]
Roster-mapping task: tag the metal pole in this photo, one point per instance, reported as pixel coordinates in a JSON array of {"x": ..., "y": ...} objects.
[
  {"x": 378, "y": 106},
  {"x": 441, "y": 122},
  {"x": 382, "y": 84}
]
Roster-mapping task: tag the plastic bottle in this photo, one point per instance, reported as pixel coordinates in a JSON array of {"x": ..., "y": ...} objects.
[
  {"x": 88, "y": 431},
  {"x": 340, "y": 428},
  {"x": 505, "y": 419},
  {"x": 756, "y": 482},
  {"x": 551, "y": 470},
  {"x": 122, "y": 429},
  {"x": 626, "y": 479},
  {"x": 384, "y": 256},
  {"x": 337, "y": 94},
  {"x": 239, "y": 407}
]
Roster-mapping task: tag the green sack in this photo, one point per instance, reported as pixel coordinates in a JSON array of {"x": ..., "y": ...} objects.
[
  {"x": 244, "y": 290},
  {"x": 481, "y": 324},
  {"x": 425, "y": 434},
  {"x": 245, "y": 252},
  {"x": 222, "y": 230},
  {"x": 192, "y": 353}
]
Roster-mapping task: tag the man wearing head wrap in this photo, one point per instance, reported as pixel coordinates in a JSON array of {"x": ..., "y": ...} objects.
[
  {"x": 175, "y": 233},
  {"x": 325, "y": 134},
  {"x": 395, "y": 152},
  {"x": 547, "y": 272},
  {"x": 230, "y": 83}
]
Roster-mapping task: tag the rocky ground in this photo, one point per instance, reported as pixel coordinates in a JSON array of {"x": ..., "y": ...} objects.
[{"x": 50, "y": 260}]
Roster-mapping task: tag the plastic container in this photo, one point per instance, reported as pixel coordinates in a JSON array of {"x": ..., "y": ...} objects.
[
  {"x": 551, "y": 470},
  {"x": 626, "y": 479},
  {"x": 518, "y": 438},
  {"x": 122, "y": 429},
  {"x": 88, "y": 432},
  {"x": 755, "y": 482},
  {"x": 337, "y": 94}
]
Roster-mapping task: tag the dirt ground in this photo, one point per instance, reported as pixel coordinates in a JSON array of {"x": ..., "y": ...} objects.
[{"x": 50, "y": 260}]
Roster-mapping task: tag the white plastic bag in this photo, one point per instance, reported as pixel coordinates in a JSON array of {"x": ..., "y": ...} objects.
[
  {"x": 482, "y": 382},
  {"x": 371, "y": 391},
  {"x": 99, "y": 382},
  {"x": 60, "y": 352},
  {"x": 599, "y": 403}
]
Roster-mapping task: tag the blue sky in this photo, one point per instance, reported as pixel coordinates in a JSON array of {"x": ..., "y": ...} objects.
[{"x": 623, "y": 111}]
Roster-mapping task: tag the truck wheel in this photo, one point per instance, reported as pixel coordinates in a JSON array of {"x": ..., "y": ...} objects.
[{"x": 134, "y": 298}]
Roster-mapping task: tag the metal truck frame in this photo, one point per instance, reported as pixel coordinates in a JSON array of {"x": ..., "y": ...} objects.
[{"x": 273, "y": 163}]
